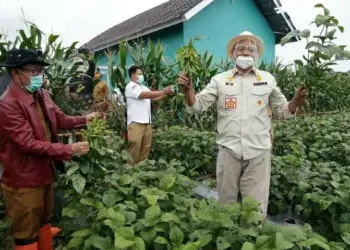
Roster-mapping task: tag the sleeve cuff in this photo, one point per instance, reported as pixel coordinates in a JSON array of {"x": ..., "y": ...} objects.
[
  {"x": 193, "y": 109},
  {"x": 80, "y": 121},
  {"x": 285, "y": 111}
]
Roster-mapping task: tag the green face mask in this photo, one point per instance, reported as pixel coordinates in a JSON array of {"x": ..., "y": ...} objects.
[{"x": 36, "y": 82}]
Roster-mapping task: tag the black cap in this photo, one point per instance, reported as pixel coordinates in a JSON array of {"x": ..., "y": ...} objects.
[
  {"x": 20, "y": 57},
  {"x": 83, "y": 50}
]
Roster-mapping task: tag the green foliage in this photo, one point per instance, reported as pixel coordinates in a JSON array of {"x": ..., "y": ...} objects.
[
  {"x": 116, "y": 118},
  {"x": 310, "y": 172},
  {"x": 188, "y": 59},
  {"x": 309, "y": 167},
  {"x": 150, "y": 206},
  {"x": 61, "y": 58},
  {"x": 111, "y": 205},
  {"x": 6, "y": 242},
  {"x": 315, "y": 72},
  {"x": 149, "y": 57},
  {"x": 285, "y": 78},
  {"x": 196, "y": 150}
]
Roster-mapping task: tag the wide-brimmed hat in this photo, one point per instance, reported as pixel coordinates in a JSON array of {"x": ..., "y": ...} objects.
[
  {"x": 21, "y": 57},
  {"x": 245, "y": 35}
]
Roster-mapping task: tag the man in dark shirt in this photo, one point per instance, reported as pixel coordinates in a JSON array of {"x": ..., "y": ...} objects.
[{"x": 4, "y": 83}]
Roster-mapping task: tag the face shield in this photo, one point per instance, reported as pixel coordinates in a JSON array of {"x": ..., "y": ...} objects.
[{"x": 245, "y": 54}]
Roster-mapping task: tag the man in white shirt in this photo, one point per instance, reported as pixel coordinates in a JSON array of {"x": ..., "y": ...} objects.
[
  {"x": 138, "y": 103},
  {"x": 243, "y": 96}
]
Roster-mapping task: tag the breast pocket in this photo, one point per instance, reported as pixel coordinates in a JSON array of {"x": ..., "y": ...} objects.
[
  {"x": 228, "y": 99},
  {"x": 259, "y": 100}
]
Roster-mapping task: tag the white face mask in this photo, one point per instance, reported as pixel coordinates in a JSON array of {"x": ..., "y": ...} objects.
[{"x": 245, "y": 62}]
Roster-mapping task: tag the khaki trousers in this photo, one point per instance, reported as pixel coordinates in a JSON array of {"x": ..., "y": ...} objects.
[
  {"x": 28, "y": 209},
  {"x": 139, "y": 141},
  {"x": 249, "y": 177}
]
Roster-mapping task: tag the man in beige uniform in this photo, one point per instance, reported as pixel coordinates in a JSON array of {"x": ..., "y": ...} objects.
[{"x": 243, "y": 97}]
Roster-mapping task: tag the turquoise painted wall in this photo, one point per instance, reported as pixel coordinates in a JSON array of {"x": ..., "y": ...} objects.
[
  {"x": 171, "y": 38},
  {"x": 222, "y": 20},
  {"x": 216, "y": 24}
]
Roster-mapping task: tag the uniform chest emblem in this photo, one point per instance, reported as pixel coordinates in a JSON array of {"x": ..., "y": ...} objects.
[{"x": 230, "y": 103}]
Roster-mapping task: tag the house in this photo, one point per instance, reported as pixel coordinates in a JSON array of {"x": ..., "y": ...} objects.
[{"x": 174, "y": 22}]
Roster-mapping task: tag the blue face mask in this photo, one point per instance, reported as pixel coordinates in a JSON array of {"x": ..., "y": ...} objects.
[{"x": 36, "y": 82}]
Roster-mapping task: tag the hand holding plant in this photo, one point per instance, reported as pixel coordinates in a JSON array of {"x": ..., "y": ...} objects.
[
  {"x": 300, "y": 96},
  {"x": 91, "y": 116},
  {"x": 184, "y": 81},
  {"x": 80, "y": 148},
  {"x": 168, "y": 90},
  {"x": 188, "y": 60}
]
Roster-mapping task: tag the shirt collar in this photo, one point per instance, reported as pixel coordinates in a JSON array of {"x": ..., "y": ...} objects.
[
  {"x": 235, "y": 71},
  {"x": 253, "y": 70}
]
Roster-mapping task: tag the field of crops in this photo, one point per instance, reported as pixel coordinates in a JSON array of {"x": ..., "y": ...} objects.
[
  {"x": 107, "y": 204},
  {"x": 152, "y": 206}
]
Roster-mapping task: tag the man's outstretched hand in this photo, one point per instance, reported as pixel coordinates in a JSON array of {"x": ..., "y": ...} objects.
[
  {"x": 300, "y": 95},
  {"x": 184, "y": 81},
  {"x": 299, "y": 98},
  {"x": 80, "y": 148},
  {"x": 168, "y": 90},
  {"x": 91, "y": 116}
]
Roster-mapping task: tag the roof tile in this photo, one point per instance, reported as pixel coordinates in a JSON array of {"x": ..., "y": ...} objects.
[{"x": 163, "y": 13}]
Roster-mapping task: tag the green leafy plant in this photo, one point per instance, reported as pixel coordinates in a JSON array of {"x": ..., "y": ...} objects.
[
  {"x": 322, "y": 53},
  {"x": 188, "y": 59},
  {"x": 196, "y": 150},
  {"x": 151, "y": 206},
  {"x": 61, "y": 58},
  {"x": 310, "y": 172},
  {"x": 149, "y": 56}
]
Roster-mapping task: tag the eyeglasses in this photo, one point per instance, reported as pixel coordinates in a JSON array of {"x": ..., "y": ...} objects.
[
  {"x": 242, "y": 49},
  {"x": 35, "y": 71}
]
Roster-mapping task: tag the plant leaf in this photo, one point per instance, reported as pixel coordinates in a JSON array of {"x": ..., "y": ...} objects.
[
  {"x": 222, "y": 243},
  {"x": 82, "y": 232},
  {"x": 121, "y": 243},
  {"x": 176, "y": 236},
  {"x": 305, "y": 33},
  {"x": 170, "y": 217},
  {"x": 139, "y": 244},
  {"x": 78, "y": 183},
  {"x": 152, "y": 213},
  {"x": 92, "y": 203}
]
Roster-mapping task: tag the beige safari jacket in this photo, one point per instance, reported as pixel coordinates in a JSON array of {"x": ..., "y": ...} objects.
[{"x": 243, "y": 110}]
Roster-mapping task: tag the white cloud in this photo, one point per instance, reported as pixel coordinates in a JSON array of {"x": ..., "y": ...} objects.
[
  {"x": 78, "y": 20},
  {"x": 74, "y": 20}
]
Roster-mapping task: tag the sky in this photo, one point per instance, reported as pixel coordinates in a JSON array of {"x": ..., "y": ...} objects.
[{"x": 81, "y": 20}]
